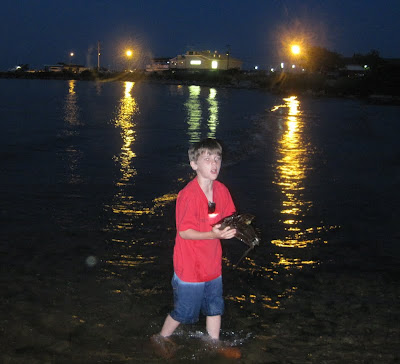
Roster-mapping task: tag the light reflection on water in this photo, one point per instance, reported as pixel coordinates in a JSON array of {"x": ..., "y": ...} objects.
[
  {"x": 124, "y": 120},
  {"x": 291, "y": 168},
  {"x": 71, "y": 118},
  {"x": 287, "y": 262},
  {"x": 259, "y": 286},
  {"x": 125, "y": 205},
  {"x": 213, "y": 111},
  {"x": 195, "y": 117},
  {"x": 261, "y": 300},
  {"x": 71, "y": 109},
  {"x": 125, "y": 260}
]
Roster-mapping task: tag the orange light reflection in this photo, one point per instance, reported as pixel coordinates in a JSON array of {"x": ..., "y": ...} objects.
[{"x": 291, "y": 168}]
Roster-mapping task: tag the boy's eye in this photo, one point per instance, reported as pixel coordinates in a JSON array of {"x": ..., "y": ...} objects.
[{"x": 208, "y": 159}]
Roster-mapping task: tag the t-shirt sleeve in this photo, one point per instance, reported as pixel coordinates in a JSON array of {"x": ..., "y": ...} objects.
[{"x": 186, "y": 213}]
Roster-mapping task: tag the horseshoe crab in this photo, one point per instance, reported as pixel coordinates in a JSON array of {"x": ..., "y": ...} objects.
[{"x": 244, "y": 230}]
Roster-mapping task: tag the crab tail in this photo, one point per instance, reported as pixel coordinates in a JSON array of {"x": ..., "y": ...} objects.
[{"x": 245, "y": 253}]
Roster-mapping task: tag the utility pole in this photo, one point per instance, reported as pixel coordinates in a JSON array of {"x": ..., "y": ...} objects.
[
  {"x": 98, "y": 56},
  {"x": 228, "y": 52}
]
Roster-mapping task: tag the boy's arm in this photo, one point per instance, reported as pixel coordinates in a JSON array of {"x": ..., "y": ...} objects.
[{"x": 215, "y": 233}]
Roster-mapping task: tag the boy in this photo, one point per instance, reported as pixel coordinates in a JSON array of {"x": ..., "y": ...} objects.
[{"x": 197, "y": 282}]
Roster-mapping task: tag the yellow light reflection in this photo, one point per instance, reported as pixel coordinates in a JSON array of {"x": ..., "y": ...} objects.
[
  {"x": 289, "y": 263},
  {"x": 176, "y": 90},
  {"x": 213, "y": 110},
  {"x": 291, "y": 170},
  {"x": 261, "y": 300},
  {"x": 124, "y": 203},
  {"x": 71, "y": 105},
  {"x": 162, "y": 201},
  {"x": 71, "y": 118},
  {"x": 124, "y": 120},
  {"x": 131, "y": 260},
  {"x": 194, "y": 117},
  {"x": 129, "y": 207}
]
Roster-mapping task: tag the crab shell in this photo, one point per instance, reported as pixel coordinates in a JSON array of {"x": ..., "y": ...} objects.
[{"x": 244, "y": 231}]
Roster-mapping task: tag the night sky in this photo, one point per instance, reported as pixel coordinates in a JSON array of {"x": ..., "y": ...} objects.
[{"x": 45, "y": 32}]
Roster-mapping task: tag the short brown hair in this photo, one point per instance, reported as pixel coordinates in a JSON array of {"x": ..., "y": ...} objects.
[{"x": 212, "y": 145}]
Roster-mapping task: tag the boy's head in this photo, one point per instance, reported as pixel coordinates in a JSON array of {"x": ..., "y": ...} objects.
[{"x": 203, "y": 146}]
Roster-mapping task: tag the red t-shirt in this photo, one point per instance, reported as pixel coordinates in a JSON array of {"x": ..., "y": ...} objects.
[{"x": 199, "y": 260}]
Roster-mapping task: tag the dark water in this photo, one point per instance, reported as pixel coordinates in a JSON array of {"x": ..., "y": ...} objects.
[{"x": 89, "y": 176}]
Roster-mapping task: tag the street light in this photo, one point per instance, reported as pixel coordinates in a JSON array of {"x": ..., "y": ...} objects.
[
  {"x": 129, "y": 56},
  {"x": 296, "y": 54},
  {"x": 295, "y": 49}
]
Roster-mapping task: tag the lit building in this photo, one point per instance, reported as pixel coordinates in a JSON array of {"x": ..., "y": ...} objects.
[{"x": 205, "y": 60}]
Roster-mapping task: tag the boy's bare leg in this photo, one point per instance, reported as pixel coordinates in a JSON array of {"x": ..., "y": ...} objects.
[
  {"x": 162, "y": 344},
  {"x": 213, "y": 326},
  {"x": 169, "y": 326}
]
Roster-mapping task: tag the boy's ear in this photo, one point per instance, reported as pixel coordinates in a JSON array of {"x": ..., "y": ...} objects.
[{"x": 193, "y": 164}]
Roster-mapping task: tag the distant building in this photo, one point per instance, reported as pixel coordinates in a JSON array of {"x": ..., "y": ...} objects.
[
  {"x": 61, "y": 67},
  {"x": 75, "y": 68},
  {"x": 205, "y": 60},
  {"x": 354, "y": 70},
  {"x": 53, "y": 68},
  {"x": 158, "y": 65}
]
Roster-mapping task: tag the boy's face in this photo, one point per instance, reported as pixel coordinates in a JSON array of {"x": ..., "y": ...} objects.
[{"x": 207, "y": 165}]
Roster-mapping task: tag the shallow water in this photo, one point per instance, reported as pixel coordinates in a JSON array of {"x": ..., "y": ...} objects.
[{"x": 90, "y": 172}]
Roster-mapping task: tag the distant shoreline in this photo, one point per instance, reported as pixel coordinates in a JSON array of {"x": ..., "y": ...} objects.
[{"x": 317, "y": 85}]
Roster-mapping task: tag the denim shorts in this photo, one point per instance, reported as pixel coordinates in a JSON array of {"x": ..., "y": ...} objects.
[{"x": 192, "y": 298}]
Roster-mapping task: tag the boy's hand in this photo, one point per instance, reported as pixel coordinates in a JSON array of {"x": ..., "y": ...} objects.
[{"x": 226, "y": 233}]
